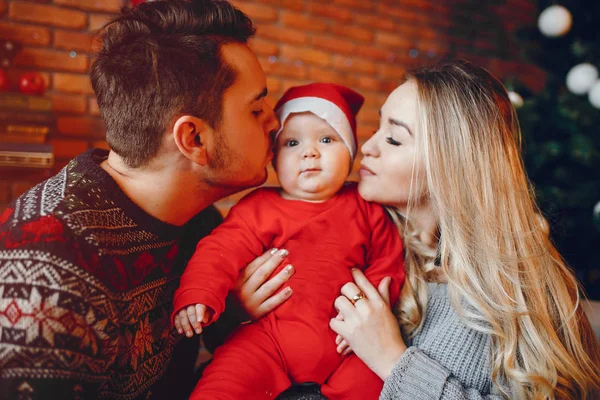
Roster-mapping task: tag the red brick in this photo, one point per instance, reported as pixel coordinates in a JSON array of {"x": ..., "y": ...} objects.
[
  {"x": 285, "y": 35},
  {"x": 50, "y": 59},
  {"x": 365, "y": 82},
  {"x": 375, "y": 21},
  {"x": 393, "y": 40},
  {"x": 291, "y": 4},
  {"x": 97, "y": 21},
  {"x": 68, "y": 148},
  {"x": 100, "y": 144},
  {"x": 353, "y": 32},
  {"x": 374, "y": 99},
  {"x": 259, "y": 12},
  {"x": 69, "y": 40},
  {"x": 330, "y": 11},
  {"x": 81, "y": 126},
  {"x": 72, "y": 83},
  {"x": 93, "y": 107},
  {"x": 327, "y": 75},
  {"x": 73, "y": 104},
  {"x": 387, "y": 71},
  {"x": 354, "y": 64},
  {"x": 375, "y": 54},
  {"x": 369, "y": 117},
  {"x": 273, "y": 85},
  {"x": 93, "y": 5},
  {"x": 264, "y": 47},
  {"x": 46, "y": 14},
  {"x": 358, "y": 4},
  {"x": 405, "y": 14},
  {"x": 312, "y": 56},
  {"x": 303, "y": 22},
  {"x": 333, "y": 44},
  {"x": 365, "y": 131},
  {"x": 25, "y": 34},
  {"x": 280, "y": 68},
  {"x": 288, "y": 83}
]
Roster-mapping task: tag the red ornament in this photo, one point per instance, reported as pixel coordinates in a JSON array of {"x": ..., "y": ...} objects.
[
  {"x": 31, "y": 83},
  {"x": 135, "y": 3},
  {"x": 4, "y": 82}
]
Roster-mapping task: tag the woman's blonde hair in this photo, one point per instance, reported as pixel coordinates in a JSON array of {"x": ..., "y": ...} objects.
[{"x": 505, "y": 277}]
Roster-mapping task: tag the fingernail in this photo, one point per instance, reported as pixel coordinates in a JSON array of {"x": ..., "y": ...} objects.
[
  {"x": 287, "y": 291},
  {"x": 273, "y": 251},
  {"x": 283, "y": 253},
  {"x": 180, "y": 331},
  {"x": 198, "y": 331},
  {"x": 289, "y": 269}
]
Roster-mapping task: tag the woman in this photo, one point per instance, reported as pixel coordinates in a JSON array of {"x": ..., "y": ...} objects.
[{"x": 489, "y": 308}]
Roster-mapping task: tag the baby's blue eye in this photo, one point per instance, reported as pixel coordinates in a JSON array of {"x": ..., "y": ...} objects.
[
  {"x": 326, "y": 139},
  {"x": 291, "y": 143}
]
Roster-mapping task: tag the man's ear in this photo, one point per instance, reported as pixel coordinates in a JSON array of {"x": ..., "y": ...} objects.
[{"x": 191, "y": 134}]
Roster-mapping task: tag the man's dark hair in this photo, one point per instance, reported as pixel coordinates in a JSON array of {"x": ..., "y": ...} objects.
[{"x": 160, "y": 60}]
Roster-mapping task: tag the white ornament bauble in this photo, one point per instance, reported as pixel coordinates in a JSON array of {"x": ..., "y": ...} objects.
[
  {"x": 597, "y": 209},
  {"x": 594, "y": 95},
  {"x": 515, "y": 99},
  {"x": 581, "y": 78},
  {"x": 555, "y": 21}
]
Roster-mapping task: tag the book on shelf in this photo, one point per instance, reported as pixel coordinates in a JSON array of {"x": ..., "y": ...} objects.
[
  {"x": 26, "y": 155},
  {"x": 28, "y": 117},
  {"x": 18, "y": 101}
]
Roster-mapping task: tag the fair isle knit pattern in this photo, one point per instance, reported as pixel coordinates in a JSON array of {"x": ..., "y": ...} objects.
[
  {"x": 86, "y": 285},
  {"x": 446, "y": 360}
]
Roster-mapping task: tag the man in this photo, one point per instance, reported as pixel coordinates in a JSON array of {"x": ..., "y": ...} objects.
[{"x": 90, "y": 258}]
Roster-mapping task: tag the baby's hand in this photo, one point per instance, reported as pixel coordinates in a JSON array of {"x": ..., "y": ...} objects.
[
  {"x": 343, "y": 347},
  {"x": 192, "y": 316}
]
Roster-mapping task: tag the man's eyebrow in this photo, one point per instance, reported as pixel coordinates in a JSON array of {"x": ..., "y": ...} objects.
[
  {"x": 260, "y": 96},
  {"x": 396, "y": 122}
]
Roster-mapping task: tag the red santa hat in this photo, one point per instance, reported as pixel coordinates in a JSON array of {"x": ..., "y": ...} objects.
[{"x": 335, "y": 104}]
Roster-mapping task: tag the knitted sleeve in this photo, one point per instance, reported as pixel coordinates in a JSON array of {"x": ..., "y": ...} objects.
[
  {"x": 57, "y": 323},
  {"x": 419, "y": 377}
]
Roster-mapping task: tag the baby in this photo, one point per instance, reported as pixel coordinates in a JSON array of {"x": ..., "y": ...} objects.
[{"x": 326, "y": 227}]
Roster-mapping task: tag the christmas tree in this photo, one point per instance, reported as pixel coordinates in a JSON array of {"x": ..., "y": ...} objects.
[{"x": 561, "y": 130}]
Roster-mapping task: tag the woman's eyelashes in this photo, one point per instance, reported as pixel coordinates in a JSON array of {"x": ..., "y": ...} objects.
[
  {"x": 257, "y": 112},
  {"x": 390, "y": 140}
]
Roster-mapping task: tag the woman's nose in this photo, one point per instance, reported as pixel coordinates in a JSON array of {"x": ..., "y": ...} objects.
[{"x": 369, "y": 148}]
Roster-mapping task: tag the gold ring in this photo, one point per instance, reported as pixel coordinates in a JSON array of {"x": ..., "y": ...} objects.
[{"x": 357, "y": 297}]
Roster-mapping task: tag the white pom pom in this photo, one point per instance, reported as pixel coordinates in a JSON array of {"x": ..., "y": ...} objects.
[
  {"x": 594, "y": 94},
  {"x": 555, "y": 21},
  {"x": 581, "y": 78},
  {"x": 515, "y": 99},
  {"x": 597, "y": 209}
]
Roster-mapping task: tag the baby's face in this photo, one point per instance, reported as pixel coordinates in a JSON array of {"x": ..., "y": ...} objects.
[{"x": 311, "y": 159}]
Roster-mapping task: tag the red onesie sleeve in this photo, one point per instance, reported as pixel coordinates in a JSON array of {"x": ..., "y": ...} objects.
[
  {"x": 385, "y": 255},
  {"x": 215, "y": 265}
]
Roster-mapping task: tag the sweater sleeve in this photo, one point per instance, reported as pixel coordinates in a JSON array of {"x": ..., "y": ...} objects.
[
  {"x": 385, "y": 254},
  {"x": 214, "y": 267},
  {"x": 56, "y": 339},
  {"x": 417, "y": 376}
]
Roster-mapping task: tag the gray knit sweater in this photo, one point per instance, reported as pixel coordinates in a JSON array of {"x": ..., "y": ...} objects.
[{"x": 445, "y": 360}]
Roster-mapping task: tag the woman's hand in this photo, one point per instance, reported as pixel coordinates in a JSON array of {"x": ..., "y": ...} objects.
[
  {"x": 368, "y": 326},
  {"x": 254, "y": 292}
]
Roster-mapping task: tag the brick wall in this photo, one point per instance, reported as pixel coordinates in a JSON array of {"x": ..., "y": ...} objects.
[{"x": 360, "y": 43}]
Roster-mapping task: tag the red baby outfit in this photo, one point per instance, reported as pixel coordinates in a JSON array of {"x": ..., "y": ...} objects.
[{"x": 294, "y": 342}]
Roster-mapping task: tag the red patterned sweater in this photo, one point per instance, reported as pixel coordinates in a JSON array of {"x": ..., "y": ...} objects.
[{"x": 86, "y": 285}]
